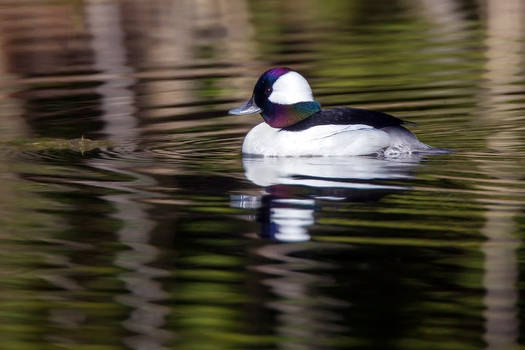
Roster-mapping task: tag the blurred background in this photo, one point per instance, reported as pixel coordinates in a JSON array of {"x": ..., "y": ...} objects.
[{"x": 130, "y": 220}]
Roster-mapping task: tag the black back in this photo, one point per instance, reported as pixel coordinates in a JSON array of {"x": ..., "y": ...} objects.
[{"x": 346, "y": 116}]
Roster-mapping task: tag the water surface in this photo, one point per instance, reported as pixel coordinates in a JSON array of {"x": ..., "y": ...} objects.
[{"x": 160, "y": 235}]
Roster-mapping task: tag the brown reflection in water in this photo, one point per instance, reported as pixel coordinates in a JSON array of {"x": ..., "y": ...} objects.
[
  {"x": 152, "y": 76},
  {"x": 447, "y": 16},
  {"x": 179, "y": 45},
  {"x": 147, "y": 317},
  {"x": 117, "y": 100},
  {"x": 504, "y": 58},
  {"x": 154, "y": 54},
  {"x": 505, "y": 26},
  {"x": 25, "y": 50},
  {"x": 45, "y": 46},
  {"x": 43, "y": 38},
  {"x": 171, "y": 48},
  {"x": 303, "y": 321},
  {"x": 11, "y": 125}
]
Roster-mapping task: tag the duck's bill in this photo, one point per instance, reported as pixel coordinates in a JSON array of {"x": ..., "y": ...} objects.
[{"x": 248, "y": 108}]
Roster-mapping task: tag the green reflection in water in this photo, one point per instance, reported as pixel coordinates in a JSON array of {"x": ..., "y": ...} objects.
[{"x": 134, "y": 244}]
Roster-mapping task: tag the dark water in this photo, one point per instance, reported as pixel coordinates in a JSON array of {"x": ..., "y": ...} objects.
[{"x": 160, "y": 236}]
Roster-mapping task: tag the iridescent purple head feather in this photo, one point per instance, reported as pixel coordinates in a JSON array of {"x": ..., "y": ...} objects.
[{"x": 282, "y": 96}]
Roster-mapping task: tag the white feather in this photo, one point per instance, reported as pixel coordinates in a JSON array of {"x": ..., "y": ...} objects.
[
  {"x": 322, "y": 140},
  {"x": 290, "y": 88}
]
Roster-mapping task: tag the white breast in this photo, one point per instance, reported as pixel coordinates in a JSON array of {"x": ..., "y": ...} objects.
[{"x": 322, "y": 140}]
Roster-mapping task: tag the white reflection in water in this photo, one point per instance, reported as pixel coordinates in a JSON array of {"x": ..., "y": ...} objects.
[
  {"x": 292, "y": 223},
  {"x": 326, "y": 171},
  {"x": 293, "y": 186}
]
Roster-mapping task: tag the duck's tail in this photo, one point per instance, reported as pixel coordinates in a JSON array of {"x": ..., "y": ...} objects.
[{"x": 404, "y": 141}]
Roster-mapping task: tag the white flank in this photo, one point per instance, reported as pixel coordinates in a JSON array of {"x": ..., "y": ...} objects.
[
  {"x": 291, "y": 88},
  {"x": 322, "y": 140}
]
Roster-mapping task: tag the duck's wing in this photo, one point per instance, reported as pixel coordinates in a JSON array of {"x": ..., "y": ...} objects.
[{"x": 348, "y": 116}]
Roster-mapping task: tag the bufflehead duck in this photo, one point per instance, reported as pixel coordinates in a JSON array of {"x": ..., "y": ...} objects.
[{"x": 295, "y": 125}]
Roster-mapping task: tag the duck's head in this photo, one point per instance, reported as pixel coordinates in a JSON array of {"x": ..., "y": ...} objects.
[{"x": 283, "y": 98}]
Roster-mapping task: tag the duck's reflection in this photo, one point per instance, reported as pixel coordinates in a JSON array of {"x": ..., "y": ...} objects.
[
  {"x": 293, "y": 191},
  {"x": 286, "y": 220},
  {"x": 293, "y": 188}
]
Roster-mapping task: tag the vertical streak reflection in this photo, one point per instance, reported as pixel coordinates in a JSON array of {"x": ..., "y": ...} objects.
[
  {"x": 110, "y": 58},
  {"x": 300, "y": 314},
  {"x": 147, "y": 317},
  {"x": 504, "y": 55}
]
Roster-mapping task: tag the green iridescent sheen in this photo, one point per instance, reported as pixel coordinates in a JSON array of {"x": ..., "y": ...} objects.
[{"x": 281, "y": 116}]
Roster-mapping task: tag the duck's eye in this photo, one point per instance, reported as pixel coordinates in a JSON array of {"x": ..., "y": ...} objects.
[{"x": 268, "y": 91}]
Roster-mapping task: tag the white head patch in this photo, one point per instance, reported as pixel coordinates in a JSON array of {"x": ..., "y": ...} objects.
[{"x": 290, "y": 88}]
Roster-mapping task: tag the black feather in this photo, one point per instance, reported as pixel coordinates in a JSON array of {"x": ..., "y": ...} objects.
[{"x": 347, "y": 116}]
